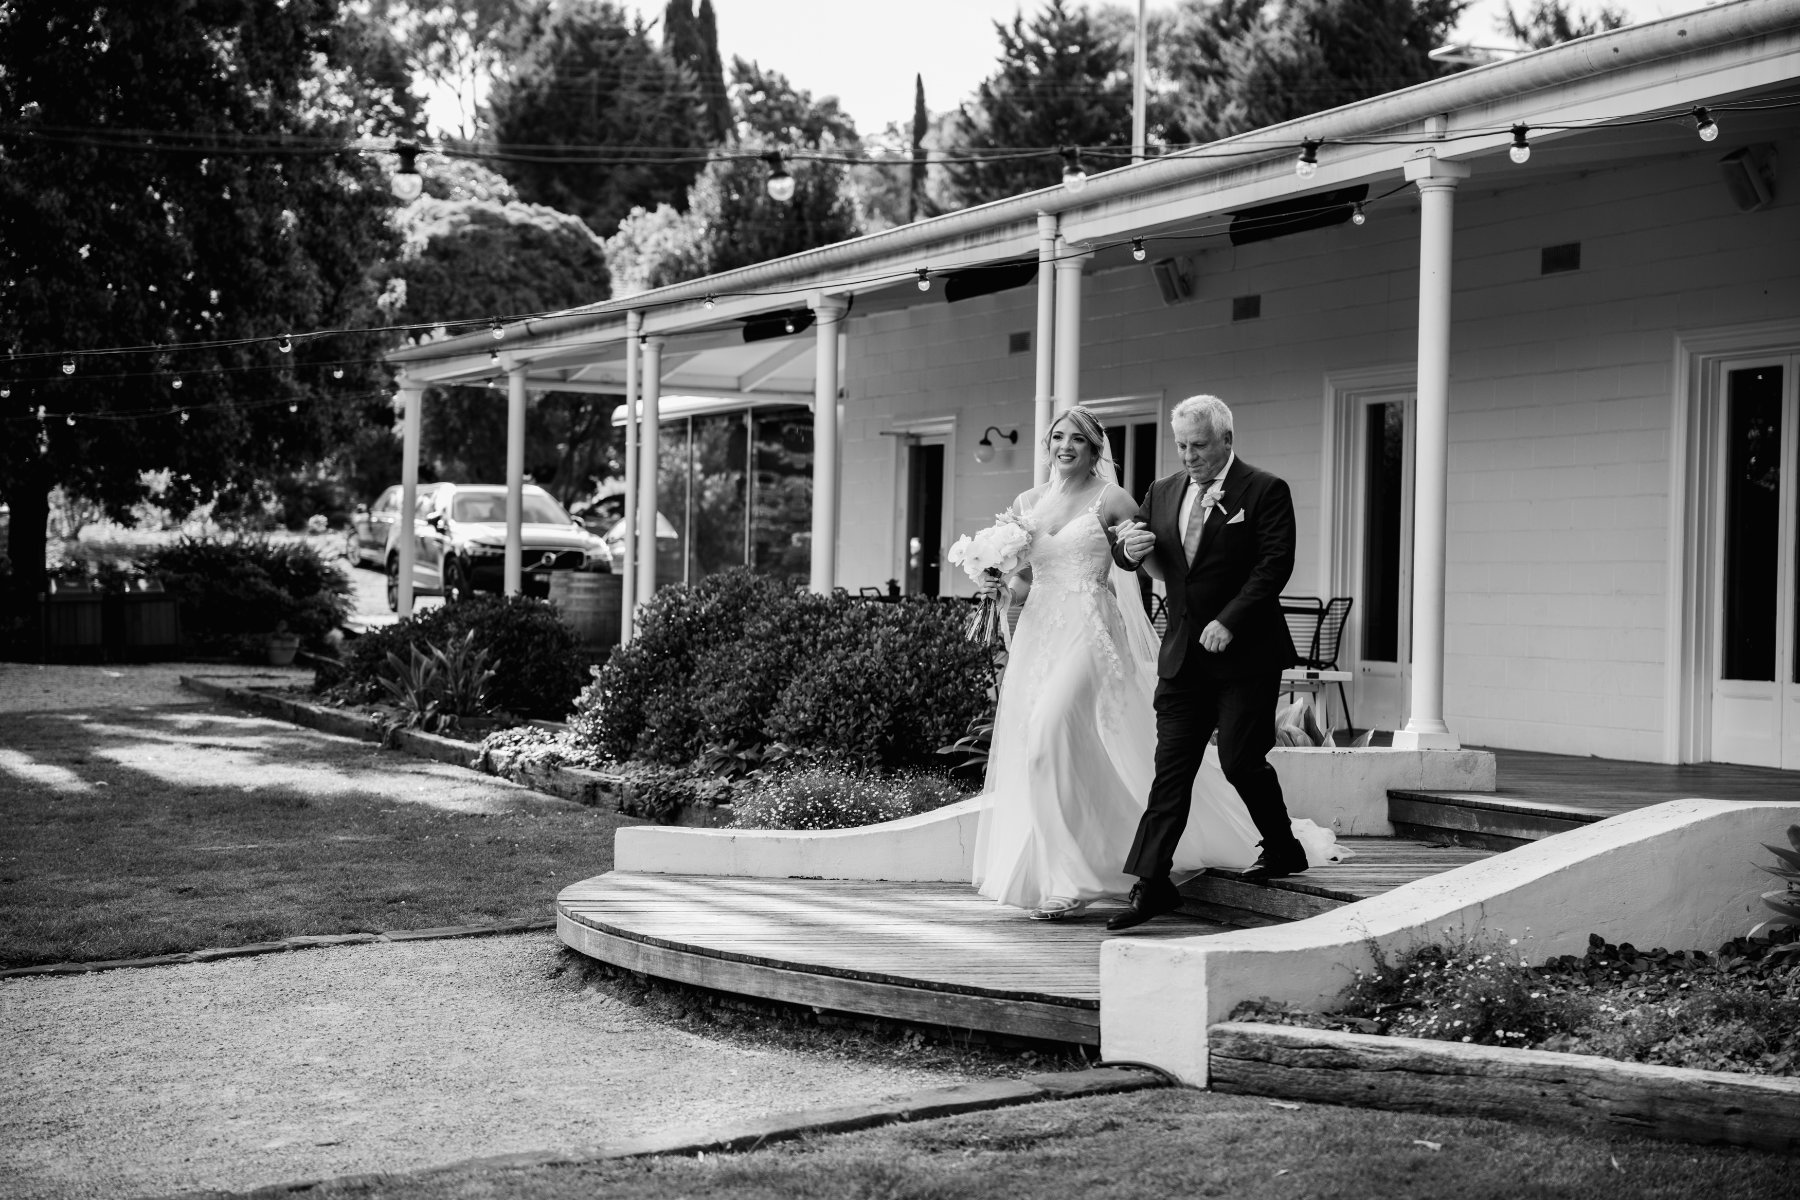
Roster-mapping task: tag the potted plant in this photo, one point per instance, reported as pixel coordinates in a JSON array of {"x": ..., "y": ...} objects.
[{"x": 282, "y": 646}]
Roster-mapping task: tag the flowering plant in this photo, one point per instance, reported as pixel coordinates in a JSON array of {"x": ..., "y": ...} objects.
[{"x": 992, "y": 554}]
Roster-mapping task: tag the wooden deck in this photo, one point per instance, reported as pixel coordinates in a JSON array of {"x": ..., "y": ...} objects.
[
  {"x": 935, "y": 953},
  {"x": 1607, "y": 787}
]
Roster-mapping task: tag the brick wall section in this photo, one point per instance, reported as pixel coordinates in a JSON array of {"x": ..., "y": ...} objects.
[{"x": 1559, "y": 520}]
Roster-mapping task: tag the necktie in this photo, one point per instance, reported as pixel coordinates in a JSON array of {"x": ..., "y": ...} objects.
[{"x": 1190, "y": 537}]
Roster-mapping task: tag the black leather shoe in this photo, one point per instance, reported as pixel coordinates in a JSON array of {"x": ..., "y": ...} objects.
[
  {"x": 1149, "y": 898},
  {"x": 1276, "y": 866}
]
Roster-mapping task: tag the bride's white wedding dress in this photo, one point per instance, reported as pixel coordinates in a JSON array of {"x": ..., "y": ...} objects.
[{"x": 1074, "y": 743}]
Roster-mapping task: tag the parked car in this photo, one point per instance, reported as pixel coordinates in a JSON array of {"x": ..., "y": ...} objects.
[
  {"x": 459, "y": 543},
  {"x": 606, "y": 517},
  {"x": 369, "y": 524}
]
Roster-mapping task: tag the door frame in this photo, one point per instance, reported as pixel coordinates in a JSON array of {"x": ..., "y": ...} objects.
[
  {"x": 939, "y": 430},
  {"x": 1696, "y": 524},
  {"x": 1347, "y": 394}
]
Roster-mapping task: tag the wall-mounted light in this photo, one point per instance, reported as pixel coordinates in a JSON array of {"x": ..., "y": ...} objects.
[
  {"x": 781, "y": 184},
  {"x": 984, "y": 449},
  {"x": 406, "y": 182}
]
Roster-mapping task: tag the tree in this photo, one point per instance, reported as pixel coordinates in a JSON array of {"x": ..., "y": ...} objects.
[
  {"x": 1237, "y": 65},
  {"x": 455, "y": 46},
  {"x": 473, "y": 250},
  {"x": 1062, "y": 80},
  {"x": 711, "y": 72},
  {"x": 921, "y": 125},
  {"x": 584, "y": 91},
  {"x": 1552, "y": 22},
  {"x": 194, "y": 241}
]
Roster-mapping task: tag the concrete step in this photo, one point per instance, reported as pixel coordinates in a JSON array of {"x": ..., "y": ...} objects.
[{"x": 1480, "y": 819}]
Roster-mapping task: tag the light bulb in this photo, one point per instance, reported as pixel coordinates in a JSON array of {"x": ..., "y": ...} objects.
[
  {"x": 5, "y": 391},
  {"x": 1704, "y": 125},
  {"x": 285, "y": 345},
  {"x": 68, "y": 366},
  {"x": 1521, "y": 147},
  {"x": 708, "y": 304},
  {"x": 406, "y": 181},
  {"x": 1308, "y": 164},
  {"x": 337, "y": 372},
  {"x": 924, "y": 279},
  {"x": 1137, "y": 249},
  {"x": 1074, "y": 178},
  {"x": 788, "y": 325},
  {"x": 781, "y": 184},
  {"x": 293, "y": 408},
  {"x": 184, "y": 416},
  {"x": 69, "y": 420},
  {"x": 495, "y": 331},
  {"x": 175, "y": 383},
  {"x": 1357, "y": 215},
  {"x": 494, "y": 357}
]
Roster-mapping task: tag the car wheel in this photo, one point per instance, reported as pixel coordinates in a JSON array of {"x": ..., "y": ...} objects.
[
  {"x": 393, "y": 584},
  {"x": 456, "y": 582},
  {"x": 352, "y": 548}
]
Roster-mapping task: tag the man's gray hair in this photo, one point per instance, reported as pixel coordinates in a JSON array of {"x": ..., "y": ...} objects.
[{"x": 1209, "y": 409}]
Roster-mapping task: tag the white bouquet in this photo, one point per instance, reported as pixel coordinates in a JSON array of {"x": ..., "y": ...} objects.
[{"x": 992, "y": 554}]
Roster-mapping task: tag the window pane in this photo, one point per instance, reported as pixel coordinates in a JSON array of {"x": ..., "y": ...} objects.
[
  {"x": 781, "y": 509},
  {"x": 1384, "y": 483},
  {"x": 1752, "y": 515}
]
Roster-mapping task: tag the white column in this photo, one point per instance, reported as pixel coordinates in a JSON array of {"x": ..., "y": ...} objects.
[
  {"x": 411, "y": 398},
  {"x": 634, "y": 322},
  {"x": 1138, "y": 72},
  {"x": 1436, "y": 181},
  {"x": 1046, "y": 344},
  {"x": 515, "y": 479},
  {"x": 1069, "y": 263},
  {"x": 649, "y": 449},
  {"x": 828, "y": 313}
]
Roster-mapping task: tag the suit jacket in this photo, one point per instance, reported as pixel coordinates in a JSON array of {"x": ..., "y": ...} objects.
[{"x": 1245, "y": 558}]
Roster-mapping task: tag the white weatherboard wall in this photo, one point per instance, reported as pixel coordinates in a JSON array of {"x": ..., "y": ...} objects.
[
  {"x": 1560, "y": 528},
  {"x": 1678, "y": 875}
]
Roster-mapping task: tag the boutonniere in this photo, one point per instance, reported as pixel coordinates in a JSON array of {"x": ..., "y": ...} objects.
[{"x": 1213, "y": 495}]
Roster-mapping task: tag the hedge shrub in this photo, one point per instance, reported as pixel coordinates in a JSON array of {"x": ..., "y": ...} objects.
[
  {"x": 538, "y": 666},
  {"x": 824, "y": 798},
  {"x": 738, "y": 661},
  {"x": 236, "y": 590}
]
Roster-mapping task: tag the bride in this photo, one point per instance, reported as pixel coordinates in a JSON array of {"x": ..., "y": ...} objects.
[{"x": 1074, "y": 740}]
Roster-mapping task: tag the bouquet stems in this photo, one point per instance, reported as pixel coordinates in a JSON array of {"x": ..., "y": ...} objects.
[{"x": 988, "y": 626}]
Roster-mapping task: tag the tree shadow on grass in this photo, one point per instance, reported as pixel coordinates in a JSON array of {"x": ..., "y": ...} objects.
[{"x": 132, "y": 832}]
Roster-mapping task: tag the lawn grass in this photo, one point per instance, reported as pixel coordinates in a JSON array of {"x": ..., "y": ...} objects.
[
  {"x": 1158, "y": 1143},
  {"x": 133, "y": 831}
]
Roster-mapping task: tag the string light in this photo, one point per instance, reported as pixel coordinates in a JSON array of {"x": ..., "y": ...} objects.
[
  {"x": 781, "y": 184},
  {"x": 337, "y": 372},
  {"x": 496, "y": 330},
  {"x": 1137, "y": 249},
  {"x": 406, "y": 181},
  {"x": 494, "y": 357},
  {"x": 1074, "y": 178},
  {"x": 1308, "y": 165},
  {"x": 788, "y": 324},
  {"x": 5, "y": 391},
  {"x": 293, "y": 408},
  {"x": 69, "y": 420},
  {"x": 175, "y": 383},
  {"x": 1704, "y": 125},
  {"x": 1521, "y": 147},
  {"x": 924, "y": 279},
  {"x": 184, "y": 416},
  {"x": 1357, "y": 215},
  {"x": 709, "y": 303},
  {"x": 285, "y": 345},
  {"x": 68, "y": 366}
]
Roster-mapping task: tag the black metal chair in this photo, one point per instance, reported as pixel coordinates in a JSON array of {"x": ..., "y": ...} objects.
[{"x": 1317, "y": 627}]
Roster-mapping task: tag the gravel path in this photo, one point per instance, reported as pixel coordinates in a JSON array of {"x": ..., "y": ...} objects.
[{"x": 385, "y": 1057}]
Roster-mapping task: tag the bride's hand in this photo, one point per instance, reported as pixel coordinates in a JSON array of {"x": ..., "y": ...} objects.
[{"x": 1135, "y": 539}]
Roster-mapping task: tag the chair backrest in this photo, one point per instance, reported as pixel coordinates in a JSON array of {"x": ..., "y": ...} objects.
[
  {"x": 1304, "y": 616},
  {"x": 1159, "y": 614},
  {"x": 1331, "y": 633}
]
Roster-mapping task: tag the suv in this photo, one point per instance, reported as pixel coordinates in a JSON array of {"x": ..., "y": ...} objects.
[
  {"x": 369, "y": 524},
  {"x": 460, "y": 543}
]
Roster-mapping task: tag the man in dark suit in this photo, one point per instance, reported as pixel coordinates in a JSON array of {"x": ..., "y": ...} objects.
[{"x": 1220, "y": 535}]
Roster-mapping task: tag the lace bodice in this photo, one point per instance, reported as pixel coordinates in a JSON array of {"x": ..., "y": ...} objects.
[{"x": 1075, "y": 557}]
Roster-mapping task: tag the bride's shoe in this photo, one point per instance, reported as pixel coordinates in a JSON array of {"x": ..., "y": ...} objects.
[{"x": 1057, "y": 908}]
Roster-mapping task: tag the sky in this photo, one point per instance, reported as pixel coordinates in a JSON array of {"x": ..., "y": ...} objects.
[{"x": 866, "y": 52}]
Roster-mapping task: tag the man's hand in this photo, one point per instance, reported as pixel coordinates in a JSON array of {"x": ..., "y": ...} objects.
[
  {"x": 1215, "y": 637},
  {"x": 1135, "y": 539}
]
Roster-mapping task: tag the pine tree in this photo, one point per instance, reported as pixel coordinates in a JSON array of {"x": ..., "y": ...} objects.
[{"x": 712, "y": 75}]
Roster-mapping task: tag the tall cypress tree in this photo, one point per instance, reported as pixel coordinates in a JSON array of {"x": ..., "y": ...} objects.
[
  {"x": 712, "y": 75},
  {"x": 921, "y": 123}
]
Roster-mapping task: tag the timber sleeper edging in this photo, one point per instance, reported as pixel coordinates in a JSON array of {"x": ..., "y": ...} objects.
[
  {"x": 744, "y": 1136},
  {"x": 311, "y": 941},
  {"x": 1420, "y": 1075}
]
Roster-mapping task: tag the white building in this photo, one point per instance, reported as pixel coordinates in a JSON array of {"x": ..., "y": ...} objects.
[{"x": 1561, "y": 480}]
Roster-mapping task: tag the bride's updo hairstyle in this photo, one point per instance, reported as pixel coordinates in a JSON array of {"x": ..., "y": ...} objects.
[{"x": 1088, "y": 425}]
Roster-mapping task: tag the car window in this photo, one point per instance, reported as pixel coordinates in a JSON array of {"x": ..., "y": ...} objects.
[
  {"x": 488, "y": 507},
  {"x": 389, "y": 499}
]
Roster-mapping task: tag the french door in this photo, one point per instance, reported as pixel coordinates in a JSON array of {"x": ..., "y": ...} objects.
[
  {"x": 1756, "y": 503},
  {"x": 1377, "y": 561},
  {"x": 925, "y": 512}
]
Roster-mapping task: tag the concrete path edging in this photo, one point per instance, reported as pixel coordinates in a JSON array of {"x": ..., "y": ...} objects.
[
  {"x": 343, "y": 724},
  {"x": 299, "y": 942},
  {"x": 744, "y": 1136}
]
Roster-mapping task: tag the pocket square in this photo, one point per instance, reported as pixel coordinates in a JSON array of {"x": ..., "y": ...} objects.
[{"x": 1236, "y": 517}]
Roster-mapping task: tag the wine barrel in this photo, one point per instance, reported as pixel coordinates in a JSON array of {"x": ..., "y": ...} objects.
[{"x": 588, "y": 603}]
